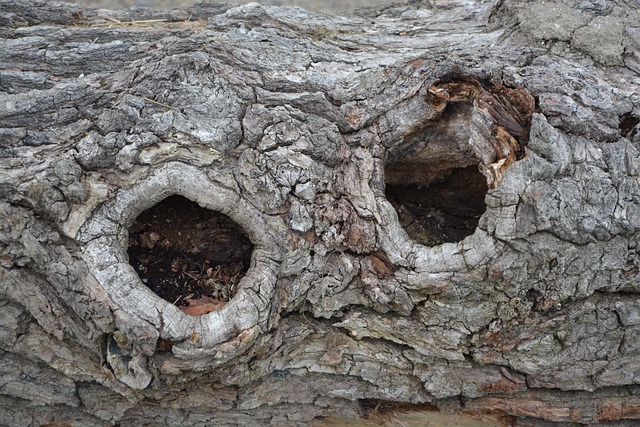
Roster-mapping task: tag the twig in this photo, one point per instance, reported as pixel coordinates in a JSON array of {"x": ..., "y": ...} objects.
[
  {"x": 190, "y": 276},
  {"x": 158, "y": 103}
]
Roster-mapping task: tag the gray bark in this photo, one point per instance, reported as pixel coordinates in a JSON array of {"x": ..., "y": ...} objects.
[{"x": 293, "y": 124}]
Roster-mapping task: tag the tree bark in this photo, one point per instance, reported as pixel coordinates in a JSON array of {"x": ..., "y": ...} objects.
[{"x": 443, "y": 200}]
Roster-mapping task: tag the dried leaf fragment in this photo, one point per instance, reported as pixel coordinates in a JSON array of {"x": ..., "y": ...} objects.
[
  {"x": 202, "y": 305},
  {"x": 149, "y": 240}
]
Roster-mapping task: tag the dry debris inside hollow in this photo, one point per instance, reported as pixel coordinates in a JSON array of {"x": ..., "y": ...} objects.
[
  {"x": 438, "y": 177},
  {"x": 447, "y": 210},
  {"x": 188, "y": 255}
]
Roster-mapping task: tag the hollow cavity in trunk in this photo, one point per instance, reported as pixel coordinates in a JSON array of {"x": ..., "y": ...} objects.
[
  {"x": 183, "y": 252},
  {"x": 446, "y": 210}
]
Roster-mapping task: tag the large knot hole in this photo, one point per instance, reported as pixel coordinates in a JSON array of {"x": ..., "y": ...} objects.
[{"x": 436, "y": 208}]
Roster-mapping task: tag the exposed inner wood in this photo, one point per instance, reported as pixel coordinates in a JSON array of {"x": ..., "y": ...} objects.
[
  {"x": 184, "y": 252},
  {"x": 510, "y": 108},
  {"x": 428, "y": 155}
]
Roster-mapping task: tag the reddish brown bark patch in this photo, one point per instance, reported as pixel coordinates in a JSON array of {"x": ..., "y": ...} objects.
[{"x": 612, "y": 410}]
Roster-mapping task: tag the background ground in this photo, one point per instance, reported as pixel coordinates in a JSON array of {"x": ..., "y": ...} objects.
[{"x": 334, "y": 6}]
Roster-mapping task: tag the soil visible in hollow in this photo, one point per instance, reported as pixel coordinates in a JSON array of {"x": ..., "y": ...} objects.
[
  {"x": 184, "y": 252},
  {"x": 446, "y": 211}
]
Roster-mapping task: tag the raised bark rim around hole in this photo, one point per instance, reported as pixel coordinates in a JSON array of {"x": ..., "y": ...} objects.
[
  {"x": 105, "y": 245},
  {"x": 188, "y": 255}
]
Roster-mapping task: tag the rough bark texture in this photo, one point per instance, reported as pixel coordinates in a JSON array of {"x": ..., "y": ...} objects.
[{"x": 291, "y": 124}]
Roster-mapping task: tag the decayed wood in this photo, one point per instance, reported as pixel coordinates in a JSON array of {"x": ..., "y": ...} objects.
[{"x": 322, "y": 137}]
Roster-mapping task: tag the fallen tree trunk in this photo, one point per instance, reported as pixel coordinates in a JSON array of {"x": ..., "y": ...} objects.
[{"x": 425, "y": 207}]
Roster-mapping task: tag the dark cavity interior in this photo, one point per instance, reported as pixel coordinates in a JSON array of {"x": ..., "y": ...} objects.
[
  {"x": 446, "y": 210},
  {"x": 184, "y": 252},
  {"x": 629, "y": 126}
]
